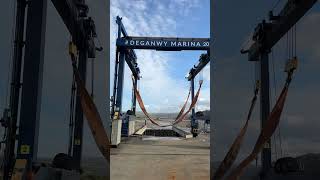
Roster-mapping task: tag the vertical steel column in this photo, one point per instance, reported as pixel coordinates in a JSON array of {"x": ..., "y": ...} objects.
[
  {"x": 32, "y": 82},
  {"x": 9, "y": 152},
  {"x": 134, "y": 98},
  {"x": 78, "y": 126},
  {"x": 115, "y": 80},
  {"x": 119, "y": 90},
  {"x": 265, "y": 108},
  {"x": 193, "y": 123}
]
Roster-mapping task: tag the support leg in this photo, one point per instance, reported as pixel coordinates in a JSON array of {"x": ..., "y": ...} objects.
[
  {"x": 118, "y": 98},
  {"x": 194, "y": 124},
  {"x": 10, "y": 121},
  {"x": 134, "y": 98},
  {"x": 78, "y": 126},
  {"x": 265, "y": 109},
  {"x": 32, "y": 82}
]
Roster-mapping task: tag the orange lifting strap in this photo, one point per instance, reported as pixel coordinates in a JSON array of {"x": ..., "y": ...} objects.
[
  {"x": 236, "y": 145},
  {"x": 180, "y": 116},
  {"x": 193, "y": 103},
  {"x": 271, "y": 124},
  {"x": 90, "y": 110},
  {"x": 184, "y": 106}
]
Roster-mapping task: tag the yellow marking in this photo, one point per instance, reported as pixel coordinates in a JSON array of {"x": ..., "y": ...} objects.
[
  {"x": 267, "y": 145},
  {"x": 72, "y": 49},
  {"x": 25, "y": 149},
  {"x": 116, "y": 115},
  {"x": 77, "y": 141}
]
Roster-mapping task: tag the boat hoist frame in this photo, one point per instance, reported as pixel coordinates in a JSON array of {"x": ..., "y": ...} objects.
[
  {"x": 265, "y": 36},
  {"x": 125, "y": 46},
  {"x": 82, "y": 30}
]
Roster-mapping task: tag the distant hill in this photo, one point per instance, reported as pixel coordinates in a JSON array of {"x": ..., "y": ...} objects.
[
  {"x": 202, "y": 115},
  {"x": 158, "y": 115}
]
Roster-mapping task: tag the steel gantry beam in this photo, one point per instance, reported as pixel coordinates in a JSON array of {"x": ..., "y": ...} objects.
[
  {"x": 265, "y": 36},
  {"x": 203, "y": 61},
  {"x": 70, "y": 11},
  {"x": 164, "y": 43},
  {"x": 122, "y": 30}
]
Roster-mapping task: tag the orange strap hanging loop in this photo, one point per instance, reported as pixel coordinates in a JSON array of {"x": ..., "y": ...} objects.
[
  {"x": 90, "y": 111},
  {"x": 236, "y": 145},
  {"x": 181, "y": 116},
  {"x": 270, "y": 126}
]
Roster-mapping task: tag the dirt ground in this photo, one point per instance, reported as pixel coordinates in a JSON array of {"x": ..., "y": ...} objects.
[{"x": 139, "y": 158}]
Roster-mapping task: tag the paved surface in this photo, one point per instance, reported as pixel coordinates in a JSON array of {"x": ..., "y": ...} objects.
[{"x": 161, "y": 159}]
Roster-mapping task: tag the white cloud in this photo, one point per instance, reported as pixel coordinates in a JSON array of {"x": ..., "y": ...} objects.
[{"x": 206, "y": 73}]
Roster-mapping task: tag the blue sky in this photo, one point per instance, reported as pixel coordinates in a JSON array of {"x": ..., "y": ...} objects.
[{"x": 163, "y": 86}]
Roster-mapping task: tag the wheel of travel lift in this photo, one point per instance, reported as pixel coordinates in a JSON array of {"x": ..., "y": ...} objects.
[
  {"x": 194, "y": 132},
  {"x": 63, "y": 161},
  {"x": 277, "y": 167},
  {"x": 286, "y": 164},
  {"x": 195, "y": 129}
]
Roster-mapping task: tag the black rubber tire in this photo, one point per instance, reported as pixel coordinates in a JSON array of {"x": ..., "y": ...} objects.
[
  {"x": 277, "y": 168},
  {"x": 63, "y": 161},
  {"x": 194, "y": 134},
  {"x": 284, "y": 167}
]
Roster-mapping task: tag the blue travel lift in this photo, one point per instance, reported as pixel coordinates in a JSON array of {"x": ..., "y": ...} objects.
[
  {"x": 125, "y": 46},
  {"x": 21, "y": 162}
]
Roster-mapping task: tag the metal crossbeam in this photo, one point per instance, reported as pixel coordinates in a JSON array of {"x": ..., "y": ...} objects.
[
  {"x": 69, "y": 13},
  {"x": 164, "y": 43},
  {"x": 203, "y": 61},
  {"x": 270, "y": 33},
  {"x": 125, "y": 34}
]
